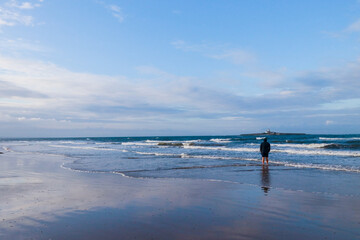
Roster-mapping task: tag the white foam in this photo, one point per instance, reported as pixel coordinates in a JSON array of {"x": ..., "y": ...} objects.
[
  {"x": 319, "y": 152},
  {"x": 159, "y": 154},
  {"x": 7, "y": 149},
  {"x": 339, "y": 139},
  {"x": 243, "y": 149},
  {"x": 172, "y": 141},
  {"x": 166, "y": 154},
  {"x": 290, "y": 151},
  {"x": 185, "y": 155},
  {"x": 88, "y": 148},
  {"x": 188, "y": 142},
  {"x": 301, "y": 165},
  {"x": 318, "y": 166},
  {"x": 192, "y": 141},
  {"x": 294, "y": 145},
  {"x": 72, "y": 142},
  {"x": 220, "y": 140},
  {"x": 106, "y": 143},
  {"x": 157, "y": 141},
  {"x": 139, "y": 143}
]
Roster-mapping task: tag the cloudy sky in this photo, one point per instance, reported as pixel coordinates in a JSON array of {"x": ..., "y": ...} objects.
[{"x": 178, "y": 67}]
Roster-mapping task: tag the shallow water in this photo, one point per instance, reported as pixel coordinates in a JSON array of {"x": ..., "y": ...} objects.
[{"x": 313, "y": 163}]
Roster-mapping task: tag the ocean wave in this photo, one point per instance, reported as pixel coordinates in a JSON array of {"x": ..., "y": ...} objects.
[
  {"x": 355, "y": 145},
  {"x": 242, "y": 149},
  {"x": 184, "y": 155},
  {"x": 160, "y": 154},
  {"x": 7, "y": 149},
  {"x": 318, "y": 166},
  {"x": 339, "y": 139},
  {"x": 342, "y": 146},
  {"x": 304, "y": 145},
  {"x": 125, "y": 174},
  {"x": 88, "y": 171},
  {"x": 290, "y": 151},
  {"x": 260, "y": 138},
  {"x": 171, "y": 144},
  {"x": 288, "y": 164},
  {"x": 193, "y": 167},
  {"x": 139, "y": 143},
  {"x": 257, "y": 162},
  {"x": 207, "y": 144},
  {"x": 318, "y": 152},
  {"x": 88, "y": 148},
  {"x": 107, "y": 143},
  {"x": 72, "y": 142},
  {"x": 161, "y": 143},
  {"x": 173, "y": 141},
  {"x": 221, "y": 140}
]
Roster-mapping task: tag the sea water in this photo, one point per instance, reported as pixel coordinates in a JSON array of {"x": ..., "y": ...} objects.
[{"x": 315, "y": 163}]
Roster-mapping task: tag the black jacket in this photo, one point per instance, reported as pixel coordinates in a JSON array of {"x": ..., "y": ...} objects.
[{"x": 264, "y": 147}]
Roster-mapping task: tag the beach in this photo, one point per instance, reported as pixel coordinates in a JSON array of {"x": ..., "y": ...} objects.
[
  {"x": 179, "y": 120},
  {"x": 42, "y": 199}
]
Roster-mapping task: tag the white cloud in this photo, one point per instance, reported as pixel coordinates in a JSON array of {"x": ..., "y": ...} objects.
[
  {"x": 353, "y": 103},
  {"x": 353, "y": 27},
  {"x": 41, "y": 91},
  {"x": 179, "y": 44},
  {"x": 117, "y": 12},
  {"x": 236, "y": 56},
  {"x": 36, "y": 85},
  {"x": 329, "y": 122},
  {"x": 12, "y": 18},
  {"x": 4, "y": 22},
  {"x": 22, "y": 5},
  {"x": 44, "y": 95},
  {"x": 176, "y": 12},
  {"x": 18, "y": 46},
  {"x": 12, "y": 13},
  {"x": 275, "y": 79},
  {"x": 184, "y": 46},
  {"x": 337, "y": 35}
]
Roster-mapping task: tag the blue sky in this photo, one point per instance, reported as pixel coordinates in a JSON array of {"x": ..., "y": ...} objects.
[{"x": 136, "y": 68}]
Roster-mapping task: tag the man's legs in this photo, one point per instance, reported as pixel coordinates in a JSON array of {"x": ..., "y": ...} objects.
[
  {"x": 263, "y": 158},
  {"x": 267, "y": 161}
]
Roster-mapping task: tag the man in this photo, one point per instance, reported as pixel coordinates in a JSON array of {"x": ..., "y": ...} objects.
[{"x": 265, "y": 149}]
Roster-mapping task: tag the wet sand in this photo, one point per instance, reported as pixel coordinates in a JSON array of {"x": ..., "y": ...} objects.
[{"x": 41, "y": 200}]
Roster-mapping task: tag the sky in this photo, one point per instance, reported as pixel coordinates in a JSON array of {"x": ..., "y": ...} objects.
[{"x": 178, "y": 67}]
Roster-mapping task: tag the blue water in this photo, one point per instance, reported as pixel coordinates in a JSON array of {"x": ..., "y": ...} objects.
[{"x": 317, "y": 163}]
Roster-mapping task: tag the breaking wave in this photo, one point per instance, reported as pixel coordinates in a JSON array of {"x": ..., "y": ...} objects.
[{"x": 339, "y": 139}]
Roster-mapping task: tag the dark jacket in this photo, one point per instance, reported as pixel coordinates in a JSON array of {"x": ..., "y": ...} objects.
[{"x": 265, "y": 147}]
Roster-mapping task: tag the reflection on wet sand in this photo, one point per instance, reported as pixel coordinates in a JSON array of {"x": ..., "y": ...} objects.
[
  {"x": 40, "y": 200},
  {"x": 265, "y": 179}
]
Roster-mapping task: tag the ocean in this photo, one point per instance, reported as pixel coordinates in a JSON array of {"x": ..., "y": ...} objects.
[{"x": 327, "y": 164}]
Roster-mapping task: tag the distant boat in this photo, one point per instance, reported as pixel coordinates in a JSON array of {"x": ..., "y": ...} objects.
[{"x": 268, "y": 132}]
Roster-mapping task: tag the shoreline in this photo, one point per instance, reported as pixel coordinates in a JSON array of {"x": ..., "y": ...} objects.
[{"x": 41, "y": 200}]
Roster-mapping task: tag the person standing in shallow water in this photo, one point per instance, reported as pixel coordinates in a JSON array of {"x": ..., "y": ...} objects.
[{"x": 265, "y": 149}]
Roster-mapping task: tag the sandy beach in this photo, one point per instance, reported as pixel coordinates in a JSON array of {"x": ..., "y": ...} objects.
[
  {"x": 179, "y": 120},
  {"x": 41, "y": 200}
]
